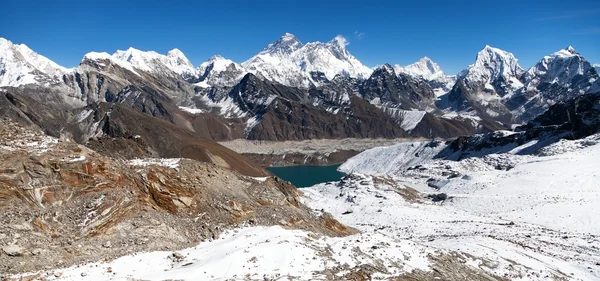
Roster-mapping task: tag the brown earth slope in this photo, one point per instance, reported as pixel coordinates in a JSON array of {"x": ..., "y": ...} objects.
[
  {"x": 62, "y": 203},
  {"x": 120, "y": 131}
]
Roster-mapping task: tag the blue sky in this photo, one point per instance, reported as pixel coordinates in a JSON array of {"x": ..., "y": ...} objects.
[{"x": 449, "y": 32}]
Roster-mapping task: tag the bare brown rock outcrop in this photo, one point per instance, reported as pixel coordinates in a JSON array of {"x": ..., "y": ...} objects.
[{"x": 63, "y": 203}]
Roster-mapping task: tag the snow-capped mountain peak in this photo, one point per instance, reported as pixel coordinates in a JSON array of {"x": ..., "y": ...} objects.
[
  {"x": 493, "y": 64},
  {"x": 132, "y": 55},
  {"x": 424, "y": 68},
  {"x": 216, "y": 58},
  {"x": 430, "y": 71},
  {"x": 99, "y": 59},
  {"x": 219, "y": 71},
  {"x": 19, "y": 65},
  {"x": 175, "y": 53},
  {"x": 153, "y": 62},
  {"x": 331, "y": 58},
  {"x": 565, "y": 53},
  {"x": 216, "y": 63},
  {"x": 177, "y": 57},
  {"x": 289, "y": 62},
  {"x": 565, "y": 68},
  {"x": 559, "y": 67},
  {"x": 285, "y": 45}
]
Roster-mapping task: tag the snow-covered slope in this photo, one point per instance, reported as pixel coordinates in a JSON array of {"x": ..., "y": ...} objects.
[
  {"x": 155, "y": 63},
  {"x": 99, "y": 60},
  {"x": 289, "y": 62},
  {"x": 530, "y": 220},
  {"x": 393, "y": 159},
  {"x": 262, "y": 253},
  {"x": 219, "y": 71},
  {"x": 19, "y": 65},
  {"x": 426, "y": 69}
]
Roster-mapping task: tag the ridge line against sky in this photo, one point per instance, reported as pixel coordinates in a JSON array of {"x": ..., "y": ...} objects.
[{"x": 378, "y": 32}]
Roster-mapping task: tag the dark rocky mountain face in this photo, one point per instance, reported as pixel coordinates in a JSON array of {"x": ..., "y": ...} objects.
[
  {"x": 117, "y": 129},
  {"x": 468, "y": 98},
  {"x": 260, "y": 109},
  {"x": 576, "y": 118},
  {"x": 398, "y": 91},
  {"x": 573, "y": 119},
  {"x": 293, "y": 120},
  {"x": 341, "y": 109},
  {"x": 286, "y": 113}
]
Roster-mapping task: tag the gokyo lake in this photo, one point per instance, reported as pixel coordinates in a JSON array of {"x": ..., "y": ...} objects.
[{"x": 305, "y": 176}]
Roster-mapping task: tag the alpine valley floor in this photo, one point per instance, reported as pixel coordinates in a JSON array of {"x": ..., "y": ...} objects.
[{"x": 535, "y": 221}]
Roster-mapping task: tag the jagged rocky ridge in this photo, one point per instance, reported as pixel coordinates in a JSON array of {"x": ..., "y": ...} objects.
[
  {"x": 496, "y": 88},
  {"x": 322, "y": 81}
]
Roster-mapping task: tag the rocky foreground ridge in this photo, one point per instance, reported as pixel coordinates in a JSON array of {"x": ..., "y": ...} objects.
[{"x": 63, "y": 204}]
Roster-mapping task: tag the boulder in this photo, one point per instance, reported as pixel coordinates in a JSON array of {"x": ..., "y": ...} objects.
[{"x": 13, "y": 250}]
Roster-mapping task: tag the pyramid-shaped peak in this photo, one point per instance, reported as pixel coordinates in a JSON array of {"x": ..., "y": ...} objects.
[
  {"x": 489, "y": 53},
  {"x": 216, "y": 57},
  {"x": 288, "y": 36},
  {"x": 285, "y": 45},
  {"x": 175, "y": 53},
  {"x": 565, "y": 53},
  {"x": 490, "y": 49},
  {"x": 387, "y": 68}
]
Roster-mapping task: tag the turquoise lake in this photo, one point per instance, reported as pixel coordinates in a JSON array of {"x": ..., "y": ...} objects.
[{"x": 305, "y": 176}]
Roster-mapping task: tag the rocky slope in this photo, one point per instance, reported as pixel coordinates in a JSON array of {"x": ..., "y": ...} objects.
[
  {"x": 63, "y": 204},
  {"x": 122, "y": 131}
]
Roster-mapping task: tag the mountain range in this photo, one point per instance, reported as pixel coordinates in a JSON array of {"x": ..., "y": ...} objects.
[{"x": 288, "y": 91}]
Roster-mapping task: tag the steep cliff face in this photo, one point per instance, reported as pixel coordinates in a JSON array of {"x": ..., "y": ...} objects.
[
  {"x": 389, "y": 89},
  {"x": 292, "y": 120}
]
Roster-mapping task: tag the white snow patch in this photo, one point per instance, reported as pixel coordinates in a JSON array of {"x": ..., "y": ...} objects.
[
  {"x": 411, "y": 119},
  {"x": 165, "y": 162},
  {"x": 259, "y": 253},
  {"x": 191, "y": 110}
]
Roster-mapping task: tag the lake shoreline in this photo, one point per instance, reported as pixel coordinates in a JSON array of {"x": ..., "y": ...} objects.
[
  {"x": 317, "y": 152},
  {"x": 307, "y": 175}
]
